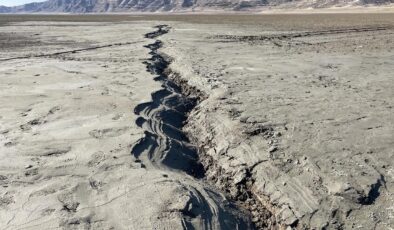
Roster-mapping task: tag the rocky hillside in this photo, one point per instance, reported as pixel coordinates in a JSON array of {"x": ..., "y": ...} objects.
[
  {"x": 4, "y": 9},
  {"x": 85, "y": 6}
]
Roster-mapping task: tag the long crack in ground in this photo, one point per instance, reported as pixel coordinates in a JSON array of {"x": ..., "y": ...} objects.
[{"x": 165, "y": 146}]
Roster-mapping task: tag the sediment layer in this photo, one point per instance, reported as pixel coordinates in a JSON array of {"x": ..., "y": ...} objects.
[
  {"x": 167, "y": 145},
  {"x": 164, "y": 145},
  {"x": 303, "y": 142},
  {"x": 298, "y": 130}
]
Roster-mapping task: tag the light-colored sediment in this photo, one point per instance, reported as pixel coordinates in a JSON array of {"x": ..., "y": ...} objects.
[
  {"x": 304, "y": 116},
  {"x": 296, "y": 124},
  {"x": 68, "y": 128}
]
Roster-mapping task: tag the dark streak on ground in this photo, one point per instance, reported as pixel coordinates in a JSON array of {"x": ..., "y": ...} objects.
[
  {"x": 163, "y": 118},
  {"x": 67, "y": 52},
  {"x": 164, "y": 143},
  {"x": 249, "y": 38}
]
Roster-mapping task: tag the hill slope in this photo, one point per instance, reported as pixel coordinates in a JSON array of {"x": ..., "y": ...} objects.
[{"x": 85, "y": 6}]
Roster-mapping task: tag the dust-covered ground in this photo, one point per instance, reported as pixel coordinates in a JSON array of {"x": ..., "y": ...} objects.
[
  {"x": 300, "y": 117},
  {"x": 101, "y": 119},
  {"x": 68, "y": 91}
]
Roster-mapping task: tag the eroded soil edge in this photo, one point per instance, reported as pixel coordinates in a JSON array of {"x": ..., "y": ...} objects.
[
  {"x": 165, "y": 146},
  {"x": 162, "y": 118},
  {"x": 165, "y": 143}
]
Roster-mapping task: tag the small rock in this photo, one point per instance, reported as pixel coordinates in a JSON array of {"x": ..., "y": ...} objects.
[
  {"x": 28, "y": 166},
  {"x": 277, "y": 134},
  {"x": 233, "y": 192},
  {"x": 272, "y": 149},
  {"x": 8, "y": 144},
  {"x": 239, "y": 177},
  {"x": 255, "y": 213}
]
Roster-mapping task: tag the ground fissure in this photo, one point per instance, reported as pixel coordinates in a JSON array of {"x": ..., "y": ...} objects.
[{"x": 178, "y": 99}]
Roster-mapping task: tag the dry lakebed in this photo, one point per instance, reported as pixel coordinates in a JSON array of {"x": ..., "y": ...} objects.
[{"x": 281, "y": 121}]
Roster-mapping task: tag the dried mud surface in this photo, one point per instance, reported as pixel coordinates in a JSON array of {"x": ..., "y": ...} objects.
[
  {"x": 202, "y": 121},
  {"x": 69, "y": 137},
  {"x": 300, "y": 117}
]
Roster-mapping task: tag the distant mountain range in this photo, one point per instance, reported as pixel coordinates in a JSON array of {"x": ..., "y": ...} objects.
[{"x": 95, "y": 6}]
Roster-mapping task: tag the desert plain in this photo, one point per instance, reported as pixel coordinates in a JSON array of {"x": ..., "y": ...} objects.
[{"x": 281, "y": 121}]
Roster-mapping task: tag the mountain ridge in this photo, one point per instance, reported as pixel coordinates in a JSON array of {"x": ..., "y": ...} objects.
[{"x": 101, "y": 6}]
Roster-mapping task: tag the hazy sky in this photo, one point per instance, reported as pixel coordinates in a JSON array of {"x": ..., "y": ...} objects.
[{"x": 17, "y": 2}]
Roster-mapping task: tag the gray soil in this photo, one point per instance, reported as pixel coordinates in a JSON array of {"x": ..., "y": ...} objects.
[{"x": 205, "y": 121}]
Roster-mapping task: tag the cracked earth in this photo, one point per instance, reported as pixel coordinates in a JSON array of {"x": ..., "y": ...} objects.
[{"x": 281, "y": 123}]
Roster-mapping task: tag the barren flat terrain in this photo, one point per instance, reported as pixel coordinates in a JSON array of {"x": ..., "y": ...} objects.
[{"x": 197, "y": 121}]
